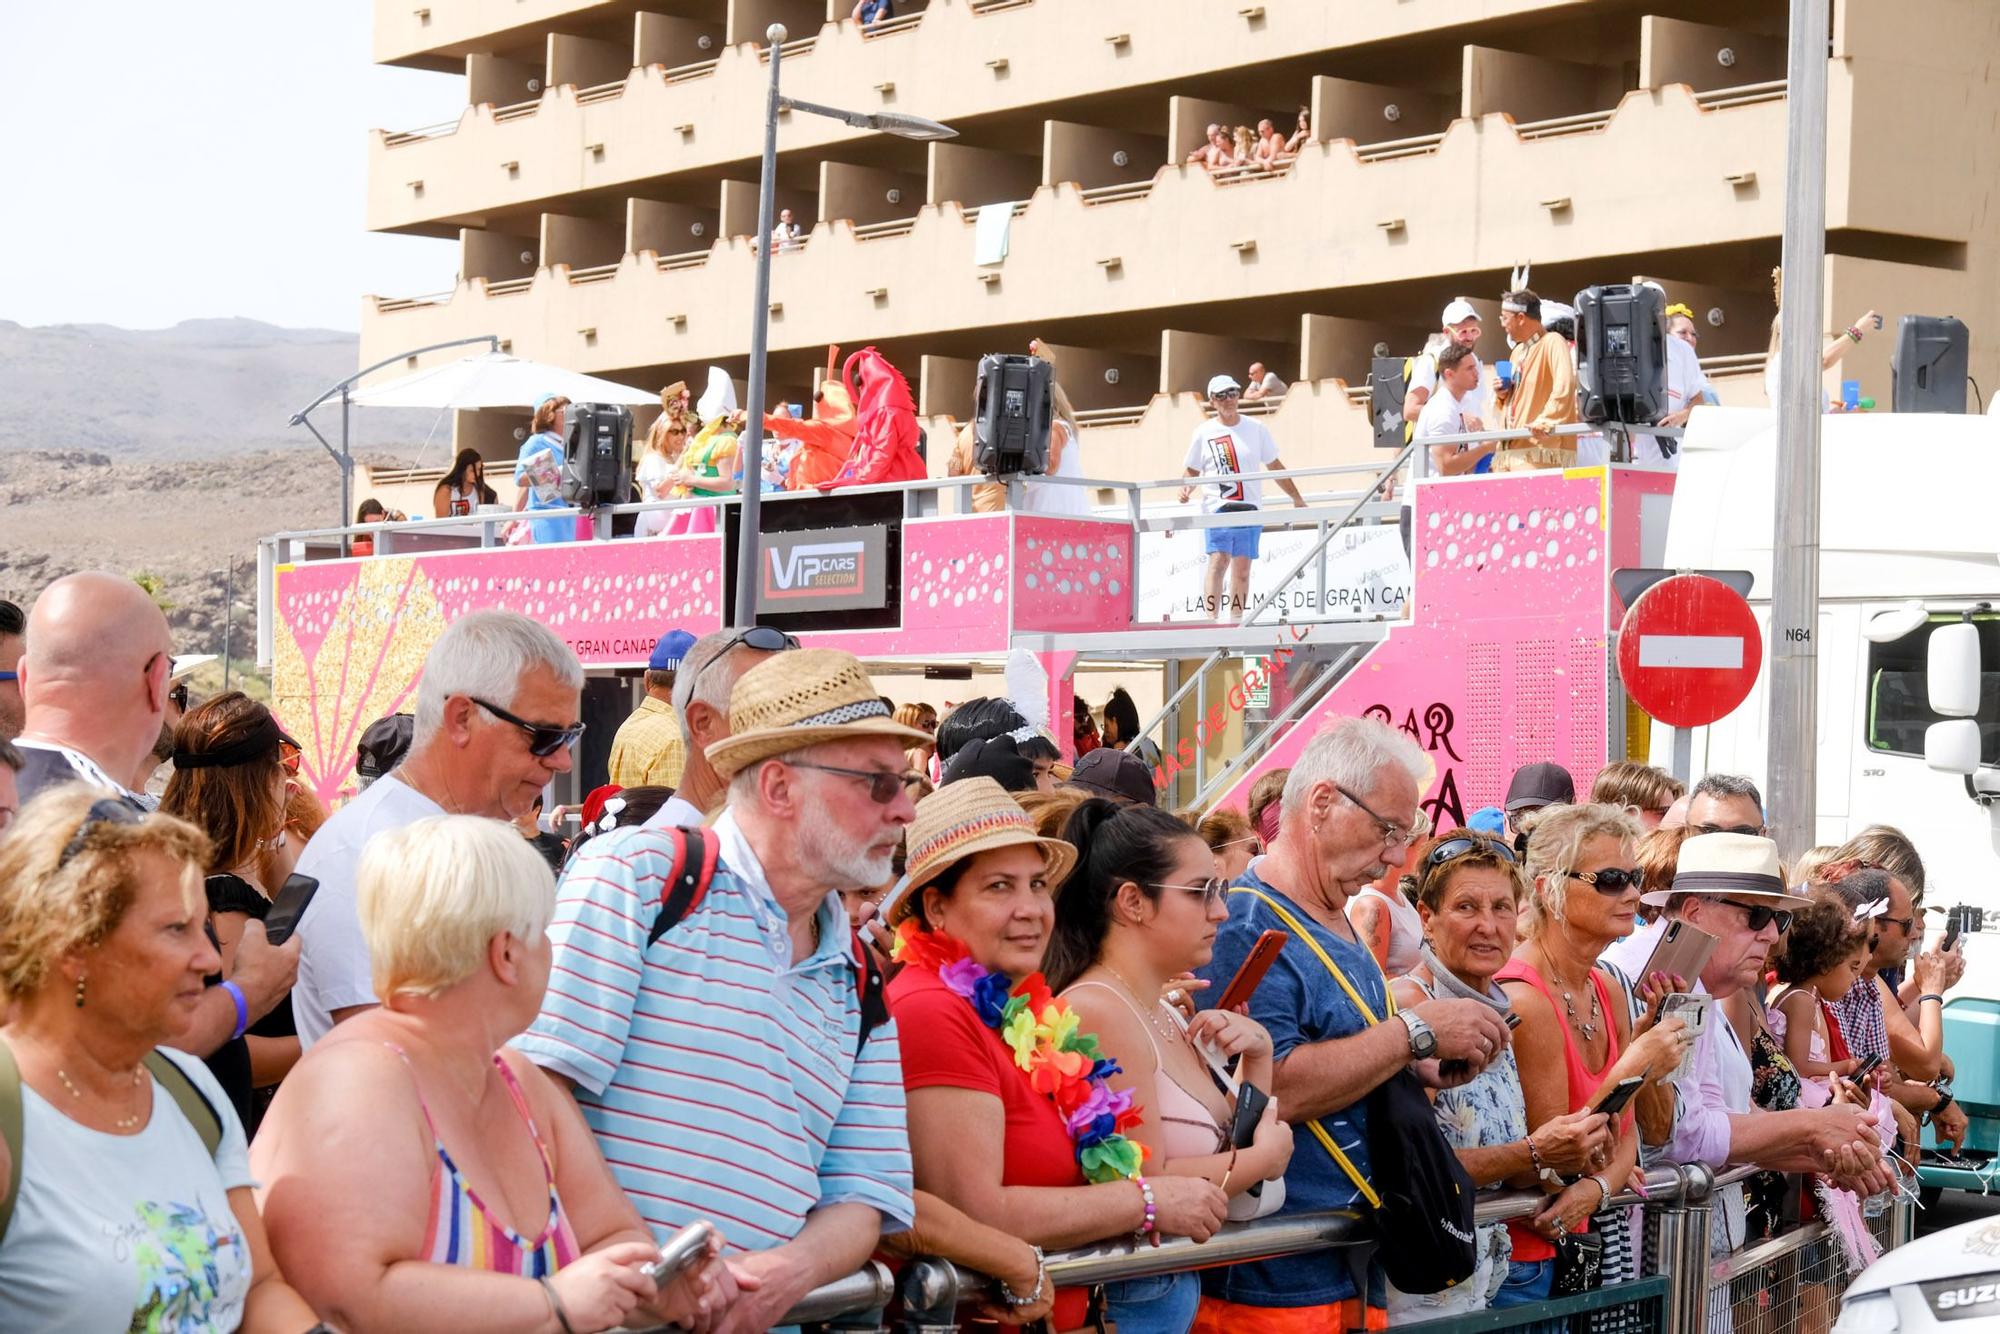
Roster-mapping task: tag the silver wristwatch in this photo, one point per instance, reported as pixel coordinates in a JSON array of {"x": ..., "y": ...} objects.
[{"x": 1423, "y": 1042}]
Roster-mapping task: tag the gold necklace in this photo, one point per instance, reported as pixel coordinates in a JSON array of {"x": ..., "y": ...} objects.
[
  {"x": 1168, "y": 1031},
  {"x": 121, "y": 1122}
]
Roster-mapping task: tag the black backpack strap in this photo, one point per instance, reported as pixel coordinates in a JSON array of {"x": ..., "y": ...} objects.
[
  {"x": 187, "y": 1095},
  {"x": 694, "y": 868},
  {"x": 869, "y": 990}
]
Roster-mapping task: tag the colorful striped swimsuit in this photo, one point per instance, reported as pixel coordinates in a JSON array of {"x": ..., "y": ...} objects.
[{"x": 463, "y": 1231}]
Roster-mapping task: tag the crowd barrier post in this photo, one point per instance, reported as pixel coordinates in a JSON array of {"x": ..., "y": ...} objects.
[{"x": 929, "y": 1290}]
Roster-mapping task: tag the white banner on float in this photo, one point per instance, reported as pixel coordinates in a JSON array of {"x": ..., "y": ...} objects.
[{"x": 1367, "y": 574}]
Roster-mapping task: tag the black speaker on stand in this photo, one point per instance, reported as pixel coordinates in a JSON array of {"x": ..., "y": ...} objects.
[
  {"x": 1388, "y": 386},
  {"x": 598, "y": 470},
  {"x": 1621, "y": 353},
  {"x": 1011, "y": 414},
  {"x": 1929, "y": 366}
]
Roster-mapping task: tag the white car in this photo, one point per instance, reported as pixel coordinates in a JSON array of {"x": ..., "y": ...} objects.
[{"x": 1949, "y": 1281}]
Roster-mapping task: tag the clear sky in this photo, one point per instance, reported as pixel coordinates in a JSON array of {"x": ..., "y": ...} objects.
[{"x": 168, "y": 162}]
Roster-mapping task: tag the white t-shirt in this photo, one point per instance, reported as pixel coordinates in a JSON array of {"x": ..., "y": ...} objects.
[
  {"x": 333, "y": 956},
  {"x": 1424, "y": 376},
  {"x": 676, "y": 813},
  {"x": 654, "y": 469},
  {"x": 1052, "y": 498},
  {"x": 1223, "y": 451},
  {"x": 1442, "y": 415},
  {"x": 1271, "y": 386},
  {"x": 117, "y": 1232},
  {"x": 1685, "y": 386}
]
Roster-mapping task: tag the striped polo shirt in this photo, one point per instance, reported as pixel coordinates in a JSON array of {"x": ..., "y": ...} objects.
[{"x": 720, "y": 1077}]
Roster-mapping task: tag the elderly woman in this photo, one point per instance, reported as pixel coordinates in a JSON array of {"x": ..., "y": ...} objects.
[
  {"x": 538, "y": 470},
  {"x": 970, "y": 934},
  {"x": 1231, "y": 839},
  {"x": 417, "y": 1175},
  {"x": 229, "y": 783},
  {"x": 1577, "y": 1037},
  {"x": 1140, "y": 913},
  {"x": 134, "y": 1208},
  {"x": 1469, "y": 893}
]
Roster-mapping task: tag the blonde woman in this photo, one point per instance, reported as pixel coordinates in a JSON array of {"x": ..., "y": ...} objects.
[
  {"x": 659, "y": 467},
  {"x": 135, "y": 1208},
  {"x": 922, "y": 718},
  {"x": 1577, "y": 1037},
  {"x": 418, "y": 1175},
  {"x": 1065, "y": 455}
]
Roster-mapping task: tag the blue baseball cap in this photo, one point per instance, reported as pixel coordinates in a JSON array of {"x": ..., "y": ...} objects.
[
  {"x": 667, "y": 654},
  {"x": 1488, "y": 820}
]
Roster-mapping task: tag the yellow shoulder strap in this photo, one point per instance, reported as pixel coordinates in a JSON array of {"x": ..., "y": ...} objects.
[{"x": 1319, "y": 1131}]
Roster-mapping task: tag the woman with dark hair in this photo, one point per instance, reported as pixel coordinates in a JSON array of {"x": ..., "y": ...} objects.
[
  {"x": 1140, "y": 911},
  {"x": 463, "y": 489},
  {"x": 977, "y": 718},
  {"x": 1121, "y": 728},
  {"x": 229, "y": 782},
  {"x": 998, "y": 1062}
]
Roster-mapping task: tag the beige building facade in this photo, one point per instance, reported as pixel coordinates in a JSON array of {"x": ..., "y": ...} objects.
[{"x": 602, "y": 186}]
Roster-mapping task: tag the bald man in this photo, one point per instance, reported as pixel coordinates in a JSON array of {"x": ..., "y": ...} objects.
[
  {"x": 95, "y": 681},
  {"x": 13, "y": 625}
]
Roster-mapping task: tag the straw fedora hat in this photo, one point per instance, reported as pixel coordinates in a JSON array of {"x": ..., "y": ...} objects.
[
  {"x": 806, "y": 697},
  {"x": 1729, "y": 866},
  {"x": 960, "y": 819}
]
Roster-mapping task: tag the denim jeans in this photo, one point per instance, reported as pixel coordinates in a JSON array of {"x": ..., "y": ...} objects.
[
  {"x": 1527, "y": 1283},
  {"x": 1163, "y": 1304}
]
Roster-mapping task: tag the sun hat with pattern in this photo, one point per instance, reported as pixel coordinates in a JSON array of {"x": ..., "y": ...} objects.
[
  {"x": 807, "y": 697},
  {"x": 962, "y": 819}
]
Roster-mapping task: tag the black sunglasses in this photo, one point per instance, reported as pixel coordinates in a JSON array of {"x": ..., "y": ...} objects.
[
  {"x": 179, "y": 695},
  {"x": 883, "y": 784},
  {"x": 1454, "y": 848},
  {"x": 1610, "y": 880},
  {"x": 1755, "y": 831},
  {"x": 760, "y": 637},
  {"x": 1759, "y": 916},
  {"x": 544, "y": 739},
  {"x": 103, "y": 811}
]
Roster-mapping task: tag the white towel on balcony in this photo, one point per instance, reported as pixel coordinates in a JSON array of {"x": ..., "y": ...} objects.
[{"x": 989, "y": 236}]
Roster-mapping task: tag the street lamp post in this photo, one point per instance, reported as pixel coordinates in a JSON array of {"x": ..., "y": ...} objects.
[{"x": 888, "y": 122}]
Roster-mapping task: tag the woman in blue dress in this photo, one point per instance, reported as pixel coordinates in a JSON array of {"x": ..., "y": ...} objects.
[{"x": 538, "y": 470}]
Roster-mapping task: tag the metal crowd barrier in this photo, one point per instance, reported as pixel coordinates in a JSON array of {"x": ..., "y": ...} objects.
[{"x": 1792, "y": 1282}]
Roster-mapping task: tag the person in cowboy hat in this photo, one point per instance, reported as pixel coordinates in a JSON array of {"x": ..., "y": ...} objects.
[
  {"x": 724, "y": 1065},
  {"x": 1732, "y": 887}
]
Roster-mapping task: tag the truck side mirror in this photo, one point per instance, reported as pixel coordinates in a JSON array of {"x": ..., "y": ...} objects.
[
  {"x": 1952, "y": 746},
  {"x": 1952, "y": 672}
]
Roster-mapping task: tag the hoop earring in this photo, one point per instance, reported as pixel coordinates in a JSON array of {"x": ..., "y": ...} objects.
[{"x": 79, "y": 993}]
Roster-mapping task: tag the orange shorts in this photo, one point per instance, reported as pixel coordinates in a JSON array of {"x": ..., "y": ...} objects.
[{"x": 1219, "y": 1317}]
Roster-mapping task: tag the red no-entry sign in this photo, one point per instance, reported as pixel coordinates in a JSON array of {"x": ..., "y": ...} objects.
[{"x": 1689, "y": 650}]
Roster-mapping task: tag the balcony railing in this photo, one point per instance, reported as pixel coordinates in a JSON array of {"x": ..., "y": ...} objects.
[
  {"x": 1717, "y": 99},
  {"x": 890, "y": 27},
  {"x": 601, "y": 92},
  {"x": 1118, "y": 193},
  {"x": 441, "y": 130},
  {"x": 700, "y": 69},
  {"x": 877, "y": 231},
  {"x": 1421, "y": 145}
]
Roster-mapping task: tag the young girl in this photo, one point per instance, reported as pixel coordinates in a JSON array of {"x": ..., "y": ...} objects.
[{"x": 1824, "y": 954}]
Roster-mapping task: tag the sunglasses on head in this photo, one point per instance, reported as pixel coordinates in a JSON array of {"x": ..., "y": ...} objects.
[
  {"x": 883, "y": 784},
  {"x": 1759, "y": 915},
  {"x": 544, "y": 739},
  {"x": 289, "y": 757},
  {"x": 1453, "y": 848},
  {"x": 1610, "y": 880},
  {"x": 760, "y": 637},
  {"x": 103, "y": 811}
]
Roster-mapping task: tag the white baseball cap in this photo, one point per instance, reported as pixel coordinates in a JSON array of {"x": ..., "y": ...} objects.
[
  {"x": 1221, "y": 384},
  {"x": 1458, "y": 312}
]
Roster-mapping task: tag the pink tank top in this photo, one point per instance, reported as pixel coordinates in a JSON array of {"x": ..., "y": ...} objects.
[{"x": 1187, "y": 1130}]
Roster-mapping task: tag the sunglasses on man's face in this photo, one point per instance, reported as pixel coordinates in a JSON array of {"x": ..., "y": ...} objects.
[
  {"x": 1758, "y": 915},
  {"x": 544, "y": 739},
  {"x": 883, "y": 784},
  {"x": 1610, "y": 880}
]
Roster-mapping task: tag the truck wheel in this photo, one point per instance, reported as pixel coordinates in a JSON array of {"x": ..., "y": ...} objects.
[{"x": 1927, "y": 1196}]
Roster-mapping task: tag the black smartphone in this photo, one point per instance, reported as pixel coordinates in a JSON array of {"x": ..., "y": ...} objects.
[
  {"x": 1250, "y": 1102},
  {"x": 1953, "y": 928},
  {"x": 1621, "y": 1093},
  {"x": 288, "y": 907},
  {"x": 1866, "y": 1068}
]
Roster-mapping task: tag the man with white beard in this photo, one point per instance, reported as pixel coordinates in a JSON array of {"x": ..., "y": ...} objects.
[{"x": 736, "y": 1065}]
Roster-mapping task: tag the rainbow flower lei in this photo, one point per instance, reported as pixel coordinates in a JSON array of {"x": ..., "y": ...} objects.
[{"x": 1062, "y": 1063}]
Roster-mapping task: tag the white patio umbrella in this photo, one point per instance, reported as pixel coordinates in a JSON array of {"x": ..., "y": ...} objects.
[{"x": 495, "y": 380}]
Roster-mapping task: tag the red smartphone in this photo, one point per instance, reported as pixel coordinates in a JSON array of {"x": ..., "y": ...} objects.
[{"x": 1258, "y": 962}]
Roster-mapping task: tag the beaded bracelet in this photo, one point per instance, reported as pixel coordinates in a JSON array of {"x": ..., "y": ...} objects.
[
  {"x": 1041, "y": 1283},
  {"x": 1854, "y": 333},
  {"x": 1149, "y": 1226}
]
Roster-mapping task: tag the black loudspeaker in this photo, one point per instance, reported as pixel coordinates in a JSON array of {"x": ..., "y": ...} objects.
[
  {"x": 598, "y": 470},
  {"x": 1621, "y": 353},
  {"x": 1388, "y": 386},
  {"x": 1011, "y": 413},
  {"x": 1929, "y": 364}
]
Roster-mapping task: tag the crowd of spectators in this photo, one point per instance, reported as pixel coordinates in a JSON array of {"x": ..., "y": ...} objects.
[
  {"x": 489, "y": 1074},
  {"x": 1265, "y": 148}
]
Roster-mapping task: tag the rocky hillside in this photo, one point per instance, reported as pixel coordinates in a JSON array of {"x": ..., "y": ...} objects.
[{"x": 167, "y": 453}]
